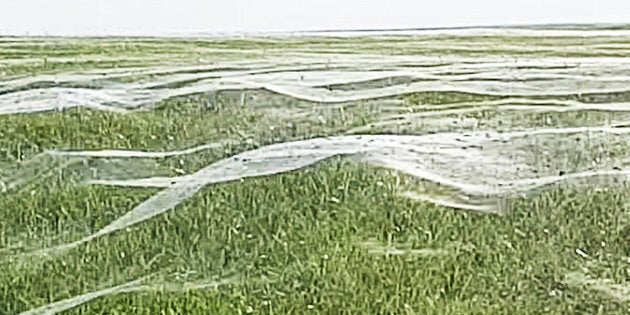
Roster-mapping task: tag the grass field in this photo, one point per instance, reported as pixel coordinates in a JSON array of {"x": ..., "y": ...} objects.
[{"x": 347, "y": 231}]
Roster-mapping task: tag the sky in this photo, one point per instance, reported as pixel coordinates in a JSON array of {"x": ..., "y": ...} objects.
[{"x": 164, "y": 17}]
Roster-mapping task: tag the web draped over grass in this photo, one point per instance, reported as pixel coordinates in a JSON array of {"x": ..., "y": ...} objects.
[{"x": 395, "y": 174}]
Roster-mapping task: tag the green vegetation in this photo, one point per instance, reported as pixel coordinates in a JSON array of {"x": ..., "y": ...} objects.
[
  {"x": 311, "y": 241},
  {"x": 53, "y": 55}
]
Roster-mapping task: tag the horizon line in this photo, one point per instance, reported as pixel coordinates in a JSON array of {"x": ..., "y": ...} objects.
[{"x": 534, "y": 26}]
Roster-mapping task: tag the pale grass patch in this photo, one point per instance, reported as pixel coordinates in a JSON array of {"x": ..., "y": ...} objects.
[
  {"x": 613, "y": 290},
  {"x": 378, "y": 248}
]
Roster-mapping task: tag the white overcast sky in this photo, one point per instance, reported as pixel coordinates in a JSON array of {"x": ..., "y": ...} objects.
[{"x": 154, "y": 17}]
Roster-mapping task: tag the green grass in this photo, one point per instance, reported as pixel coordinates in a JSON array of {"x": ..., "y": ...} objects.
[
  {"x": 301, "y": 242},
  {"x": 297, "y": 248},
  {"x": 125, "y": 52}
]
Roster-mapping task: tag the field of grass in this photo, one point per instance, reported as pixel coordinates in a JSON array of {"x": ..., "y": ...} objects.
[{"x": 335, "y": 237}]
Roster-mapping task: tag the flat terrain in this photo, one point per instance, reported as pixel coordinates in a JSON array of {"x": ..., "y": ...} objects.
[{"x": 394, "y": 174}]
